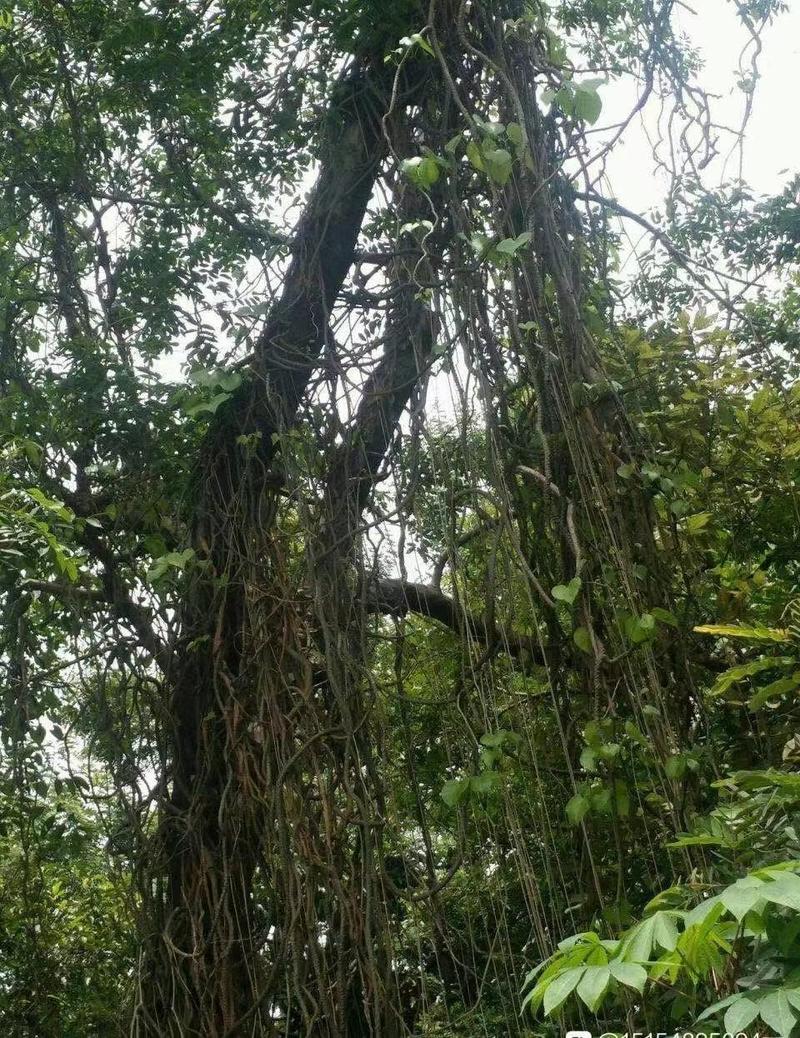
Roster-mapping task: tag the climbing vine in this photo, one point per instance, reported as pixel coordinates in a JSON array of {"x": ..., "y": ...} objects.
[{"x": 399, "y": 598}]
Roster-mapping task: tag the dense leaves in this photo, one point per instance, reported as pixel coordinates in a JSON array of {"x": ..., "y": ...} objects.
[{"x": 399, "y": 602}]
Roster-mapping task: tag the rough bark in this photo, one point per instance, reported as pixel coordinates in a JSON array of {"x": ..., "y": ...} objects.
[{"x": 201, "y": 972}]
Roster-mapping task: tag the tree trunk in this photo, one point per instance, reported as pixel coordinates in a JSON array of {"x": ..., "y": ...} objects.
[{"x": 201, "y": 973}]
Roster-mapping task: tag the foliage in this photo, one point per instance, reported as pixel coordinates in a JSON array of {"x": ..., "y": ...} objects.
[{"x": 397, "y": 597}]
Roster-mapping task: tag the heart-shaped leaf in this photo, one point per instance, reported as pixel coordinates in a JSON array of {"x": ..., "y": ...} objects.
[
  {"x": 567, "y": 592},
  {"x": 454, "y": 791}
]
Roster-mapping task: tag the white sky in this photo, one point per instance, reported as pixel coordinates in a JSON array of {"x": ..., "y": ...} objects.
[{"x": 772, "y": 140}]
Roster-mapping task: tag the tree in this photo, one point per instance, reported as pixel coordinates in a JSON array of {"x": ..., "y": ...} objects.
[{"x": 215, "y": 566}]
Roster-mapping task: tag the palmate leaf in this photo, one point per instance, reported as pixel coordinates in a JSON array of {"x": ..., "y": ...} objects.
[
  {"x": 671, "y": 944},
  {"x": 783, "y": 890},
  {"x": 740, "y": 1014},
  {"x": 657, "y": 931},
  {"x": 628, "y": 973},
  {"x": 778, "y": 1008},
  {"x": 593, "y": 985},
  {"x": 742, "y": 896},
  {"x": 559, "y": 989},
  {"x": 578, "y": 952},
  {"x": 711, "y": 1011},
  {"x": 778, "y": 1013}
]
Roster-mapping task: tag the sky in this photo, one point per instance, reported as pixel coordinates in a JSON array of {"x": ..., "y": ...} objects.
[{"x": 772, "y": 138}]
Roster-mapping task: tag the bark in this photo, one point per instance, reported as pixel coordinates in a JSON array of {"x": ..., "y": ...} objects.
[
  {"x": 396, "y": 597},
  {"x": 201, "y": 972},
  {"x": 371, "y": 991}
]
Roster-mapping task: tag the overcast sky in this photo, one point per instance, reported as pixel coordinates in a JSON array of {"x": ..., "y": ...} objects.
[{"x": 773, "y": 134}]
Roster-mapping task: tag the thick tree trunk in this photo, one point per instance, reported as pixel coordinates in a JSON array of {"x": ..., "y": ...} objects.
[
  {"x": 202, "y": 972},
  {"x": 260, "y": 753}
]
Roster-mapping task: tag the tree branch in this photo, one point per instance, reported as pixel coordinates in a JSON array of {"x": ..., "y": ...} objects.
[
  {"x": 323, "y": 250},
  {"x": 396, "y": 597}
]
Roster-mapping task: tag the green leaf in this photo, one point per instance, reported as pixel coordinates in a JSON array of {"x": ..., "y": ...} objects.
[
  {"x": 475, "y": 156},
  {"x": 594, "y": 733},
  {"x": 777, "y": 1012},
  {"x": 740, "y": 1014},
  {"x": 697, "y": 522},
  {"x": 773, "y": 690},
  {"x": 587, "y": 104},
  {"x": 565, "y": 99},
  {"x": 216, "y": 378},
  {"x": 407, "y": 42},
  {"x": 700, "y": 840},
  {"x": 50, "y": 505},
  {"x": 491, "y": 129},
  {"x": 510, "y": 246},
  {"x": 577, "y": 808},
  {"x": 567, "y": 592},
  {"x": 641, "y": 628},
  {"x": 593, "y": 985},
  {"x": 783, "y": 890},
  {"x": 659, "y": 929},
  {"x": 609, "y": 751},
  {"x": 422, "y": 170},
  {"x": 172, "y": 560},
  {"x": 480, "y": 245},
  {"x": 601, "y": 800},
  {"x": 582, "y": 639},
  {"x": 588, "y": 759},
  {"x": 718, "y": 1006},
  {"x": 629, "y": 973},
  {"x": 454, "y": 791},
  {"x": 497, "y": 739},
  {"x": 211, "y": 406},
  {"x": 733, "y": 675},
  {"x": 498, "y": 164},
  {"x": 179, "y": 559},
  {"x": 664, "y": 616},
  {"x": 622, "y": 799},
  {"x": 414, "y": 226},
  {"x": 485, "y": 782},
  {"x": 516, "y": 135},
  {"x": 751, "y": 634},
  {"x": 742, "y": 896},
  {"x": 635, "y": 733},
  {"x": 711, "y": 907},
  {"x": 559, "y": 989},
  {"x": 665, "y": 933}
]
